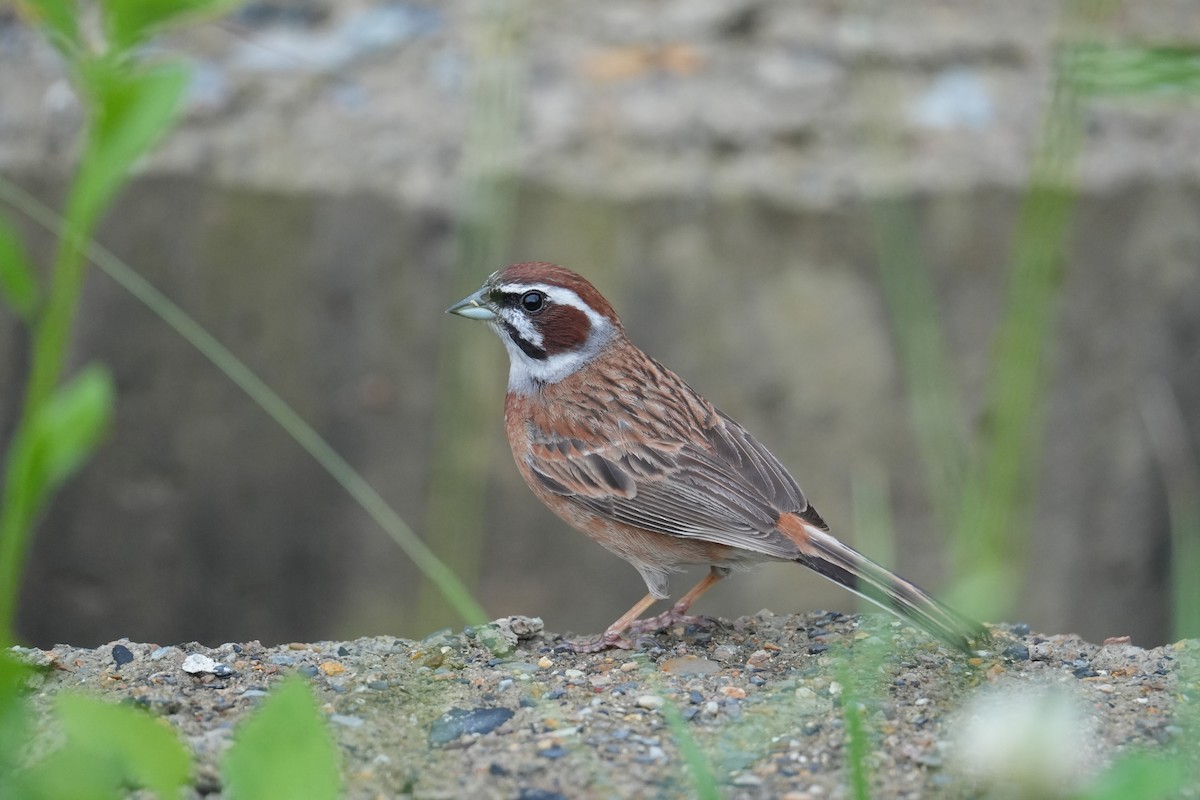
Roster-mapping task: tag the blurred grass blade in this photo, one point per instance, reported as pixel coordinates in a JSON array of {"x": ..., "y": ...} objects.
[
  {"x": 468, "y": 382},
  {"x": 363, "y": 493},
  {"x": 1170, "y": 443},
  {"x": 1121, "y": 70},
  {"x": 129, "y": 22},
  {"x": 933, "y": 399},
  {"x": 58, "y": 18},
  {"x": 18, "y": 286},
  {"x": 284, "y": 751},
  {"x": 698, "y": 764},
  {"x": 992, "y": 534}
]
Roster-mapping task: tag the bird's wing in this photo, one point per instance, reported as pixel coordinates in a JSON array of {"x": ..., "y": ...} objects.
[{"x": 721, "y": 485}]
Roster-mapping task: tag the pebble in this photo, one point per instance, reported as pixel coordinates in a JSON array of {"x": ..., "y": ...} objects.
[
  {"x": 1017, "y": 652},
  {"x": 198, "y": 663},
  {"x": 160, "y": 653},
  {"x": 573, "y": 673},
  {"x": 651, "y": 701},
  {"x": 734, "y": 692},
  {"x": 725, "y": 653},
  {"x": 545, "y": 663},
  {"x": 121, "y": 655},
  {"x": 332, "y": 668},
  {"x": 457, "y": 721}
]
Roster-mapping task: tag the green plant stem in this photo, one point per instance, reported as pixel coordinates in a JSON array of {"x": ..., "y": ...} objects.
[
  {"x": 933, "y": 400},
  {"x": 992, "y": 532},
  {"x": 469, "y": 365},
  {"x": 455, "y": 592}
]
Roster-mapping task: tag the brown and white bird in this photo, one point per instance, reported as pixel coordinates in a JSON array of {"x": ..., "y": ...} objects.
[{"x": 621, "y": 448}]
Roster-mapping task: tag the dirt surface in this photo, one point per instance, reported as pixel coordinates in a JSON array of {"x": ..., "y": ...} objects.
[{"x": 503, "y": 711}]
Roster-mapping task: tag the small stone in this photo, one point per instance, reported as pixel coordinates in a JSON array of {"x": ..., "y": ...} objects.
[
  {"x": 505, "y": 684},
  {"x": 835, "y": 689},
  {"x": 573, "y": 673},
  {"x": 332, "y": 668},
  {"x": 160, "y": 653},
  {"x": 711, "y": 708},
  {"x": 735, "y": 692},
  {"x": 343, "y": 651},
  {"x": 725, "y": 653},
  {"x": 1020, "y": 629},
  {"x": 651, "y": 701},
  {"x": 1017, "y": 652},
  {"x": 198, "y": 663},
  {"x": 695, "y": 698},
  {"x": 747, "y": 780},
  {"x": 309, "y": 671},
  {"x": 121, "y": 655},
  {"x": 378, "y": 686},
  {"x": 282, "y": 660},
  {"x": 553, "y": 752},
  {"x": 458, "y": 721},
  {"x": 629, "y": 666},
  {"x": 758, "y": 659},
  {"x": 545, "y": 663},
  {"x": 817, "y": 648},
  {"x": 346, "y": 720}
]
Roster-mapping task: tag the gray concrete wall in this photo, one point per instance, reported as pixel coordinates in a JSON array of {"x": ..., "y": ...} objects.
[{"x": 710, "y": 166}]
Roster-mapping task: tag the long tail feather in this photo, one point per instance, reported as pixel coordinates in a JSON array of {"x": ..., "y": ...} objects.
[{"x": 847, "y": 567}]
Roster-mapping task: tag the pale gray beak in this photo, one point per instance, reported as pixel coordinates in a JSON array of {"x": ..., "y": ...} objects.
[{"x": 474, "y": 306}]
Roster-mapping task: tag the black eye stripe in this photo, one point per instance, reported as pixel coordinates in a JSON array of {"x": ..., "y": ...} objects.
[{"x": 521, "y": 300}]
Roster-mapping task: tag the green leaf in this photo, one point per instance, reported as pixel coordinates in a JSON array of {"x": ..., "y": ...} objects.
[
  {"x": 284, "y": 751},
  {"x": 128, "y": 22},
  {"x": 124, "y": 742},
  {"x": 59, "y": 19},
  {"x": 1141, "y": 775},
  {"x": 14, "y": 718},
  {"x": 17, "y": 283},
  {"x": 68, "y": 428},
  {"x": 130, "y": 112}
]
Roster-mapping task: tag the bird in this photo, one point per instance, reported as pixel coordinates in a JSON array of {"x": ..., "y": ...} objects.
[{"x": 624, "y": 450}]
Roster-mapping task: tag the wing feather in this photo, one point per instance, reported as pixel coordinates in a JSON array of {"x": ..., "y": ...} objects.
[{"x": 722, "y": 486}]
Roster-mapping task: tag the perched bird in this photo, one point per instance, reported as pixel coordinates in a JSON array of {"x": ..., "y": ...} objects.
[{"x": 621, "y": 448}]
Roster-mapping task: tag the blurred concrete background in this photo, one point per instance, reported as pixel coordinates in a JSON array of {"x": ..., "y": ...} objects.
[{"x": 710, "y": 164}]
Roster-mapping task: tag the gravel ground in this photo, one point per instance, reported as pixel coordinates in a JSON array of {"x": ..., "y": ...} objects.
[{"x": 502, "y": 711}]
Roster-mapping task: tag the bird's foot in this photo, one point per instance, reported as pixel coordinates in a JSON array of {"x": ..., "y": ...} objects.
[
  {"x": 666, "y": 620},
  {"x": 605, "y": 641}
]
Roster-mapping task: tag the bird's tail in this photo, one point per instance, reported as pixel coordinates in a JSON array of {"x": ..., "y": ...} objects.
[{"x": 846, "y": 566}]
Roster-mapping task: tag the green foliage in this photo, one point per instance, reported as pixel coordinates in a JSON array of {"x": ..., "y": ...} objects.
[
  {"x": 704, "y": 779},
  {"x": 1145, "y": 776},
  {"x": 131, "y": 110},
  {"x": 109, "y": 748},
  {"x": 1116, "y": 70},
  {"x": 284, "y": 752},
  {"x": 18, "y": 285}
]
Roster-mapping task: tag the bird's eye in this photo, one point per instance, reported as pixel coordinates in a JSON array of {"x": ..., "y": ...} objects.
[{"x": 533, "y": 302}]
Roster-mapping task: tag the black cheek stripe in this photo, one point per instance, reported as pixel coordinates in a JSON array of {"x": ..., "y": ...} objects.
[{"x": 528, "y": 348}]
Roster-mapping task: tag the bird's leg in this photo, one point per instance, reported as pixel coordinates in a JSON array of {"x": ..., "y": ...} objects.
[
  {"x": 613, "y": 636},
  {"x": 678, "y": 612}
]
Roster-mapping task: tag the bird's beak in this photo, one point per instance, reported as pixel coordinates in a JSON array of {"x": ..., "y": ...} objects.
[{"x": 474, "y": 306}]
